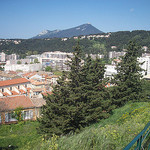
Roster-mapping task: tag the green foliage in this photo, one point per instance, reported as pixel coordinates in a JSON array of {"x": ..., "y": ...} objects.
[
  {"x": 59, "y": 73},
  {"x": 48, "y": 68},
  {"x": 36, "y": 60},
  {"x": 20, "y": 136},
  {"x": 110, "y": 133},
  {"x": 51, "y": 144},
  {"x": 18, "y": 62},
  {"x": 17, "y": 113},
  {"x": 119, "y": 39},
  {"x": 128, "y": 84},
  {"x": 79, "y": 99}
]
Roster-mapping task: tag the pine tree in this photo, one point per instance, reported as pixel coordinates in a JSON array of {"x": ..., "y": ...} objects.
[
  {"x": 127, "y": 82},
  {"x": 96, "y": 95},
  {"x": 63, "y": 110},
  {"x": 79, "y": 99},
  {"x": 54, "y": 112}
]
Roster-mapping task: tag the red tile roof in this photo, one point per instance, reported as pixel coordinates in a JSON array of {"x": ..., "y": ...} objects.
[
  {"x": 14, "y": 93},
  {"x": 5, "y": 94},
  {"x": 47, "y": 93},
  {"x": 11, "y": 103},
  {"x": 13, "y": 82},
  {"x": 38, "y": 102},
  {"x": 28, "y": 90},
  {"x": 22, "y": 91}
]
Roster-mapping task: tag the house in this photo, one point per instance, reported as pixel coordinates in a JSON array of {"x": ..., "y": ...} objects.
[
  {"x": 52, "y": 80},
  {"x": 9, "y": 104},
  {"x": 37, "y": 87},
  {"x": 8, "y": 76},
  {"x": 20, "y": 86},
  {"x": 38, "y": 103}
]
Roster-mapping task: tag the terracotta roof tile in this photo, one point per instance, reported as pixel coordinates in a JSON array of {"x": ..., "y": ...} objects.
[
  {"x": 13, "y": 82},
  {"x": 28, "y": 90},
  {"x": 38, "y": 102},
  {"x": 14, "y": 93},
  {"x": 5, "y": 94},
  {"x": 22, "y": 91},
  {"x": 11, "y": 103}
]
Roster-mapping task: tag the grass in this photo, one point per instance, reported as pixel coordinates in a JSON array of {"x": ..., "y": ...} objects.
[
  {"x": 112, "y": 133},
  {"x": 19, "y": 135}
]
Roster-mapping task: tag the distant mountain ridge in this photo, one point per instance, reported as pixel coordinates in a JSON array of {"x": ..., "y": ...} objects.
[{"x": 85, "y": 29}]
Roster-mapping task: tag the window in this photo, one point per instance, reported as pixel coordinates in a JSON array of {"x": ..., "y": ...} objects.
[
  {"x": 9, "y": 117},
  {"x": 18, "y": 87},
  {"x": 11, "y": 88},
  {"x": 26, "y": 85},
  {"x": 2, "y": 90},
  {"x": 28, "y": 114}
]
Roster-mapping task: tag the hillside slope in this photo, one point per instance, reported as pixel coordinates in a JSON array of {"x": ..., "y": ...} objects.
[{"x": 112, "y": 133}]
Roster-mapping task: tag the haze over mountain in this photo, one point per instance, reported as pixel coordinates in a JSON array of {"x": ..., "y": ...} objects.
[{"x": 85, "y": 29}]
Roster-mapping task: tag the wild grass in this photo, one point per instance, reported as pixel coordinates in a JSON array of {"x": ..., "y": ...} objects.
[
  {"x": 19, "y": 135},
  {"x": 113, "y": 133}
]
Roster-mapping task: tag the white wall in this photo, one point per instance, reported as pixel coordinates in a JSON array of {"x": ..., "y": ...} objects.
[{"x": 23, "y": 67}]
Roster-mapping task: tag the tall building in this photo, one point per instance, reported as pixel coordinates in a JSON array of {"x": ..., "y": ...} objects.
[{"x": 56, "y": 60}]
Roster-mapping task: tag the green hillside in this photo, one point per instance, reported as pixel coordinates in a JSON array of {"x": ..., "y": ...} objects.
[
  {"x": 112, "y": 133},
  {"x": 96, "y": 45}
]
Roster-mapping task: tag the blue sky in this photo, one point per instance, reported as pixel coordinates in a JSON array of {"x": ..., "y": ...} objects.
[{"x": 27, "y": 18}]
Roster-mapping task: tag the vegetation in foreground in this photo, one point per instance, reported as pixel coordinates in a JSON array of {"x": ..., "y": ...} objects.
[
  {"x": 112, "y": 133},
  {"x": 80, "y": 98}
]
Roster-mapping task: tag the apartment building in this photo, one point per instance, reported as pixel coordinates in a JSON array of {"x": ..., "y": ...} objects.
[
  {"x": 57, "y": 60},
  {"x": 114, "y": 54}
]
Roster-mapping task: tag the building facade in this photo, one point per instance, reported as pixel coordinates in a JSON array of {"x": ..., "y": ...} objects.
[{"x": 56, "y": 60}]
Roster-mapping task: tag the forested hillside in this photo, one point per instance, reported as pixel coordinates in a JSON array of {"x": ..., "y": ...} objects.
[{"x": 92, "y": 45}]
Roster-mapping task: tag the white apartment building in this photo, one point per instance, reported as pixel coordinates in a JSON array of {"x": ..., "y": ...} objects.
[
  {"x": 110, "y": 71},
  {"x": 114, "y": 54},
  {"x": 2, "y": 57},
  {"x": 23, "y": 67},
  {"x": 57, "y": 60},
  {"x": 146, "y": 64}
]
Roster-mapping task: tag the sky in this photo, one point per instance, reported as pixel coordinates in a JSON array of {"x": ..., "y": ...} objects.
[{"x": 27, "y": 18}]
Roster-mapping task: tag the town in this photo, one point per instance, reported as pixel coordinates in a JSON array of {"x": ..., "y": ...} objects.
[{"x": 28, "y": 80}]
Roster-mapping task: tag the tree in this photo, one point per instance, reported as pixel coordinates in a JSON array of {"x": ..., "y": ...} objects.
[
  {"x": 17, "y": 113},
  {"x": 48, "y": 68},
  {"x": 96, "y": 94},
  {"x": 128, "y": 85},
  {"x": 36, "y": 60},
  {"x": 79, "y": 99},
  {"x": 18, "y": 62},
  {"x": 35, "y": 52},
  {"x": 63, "y": 110}
]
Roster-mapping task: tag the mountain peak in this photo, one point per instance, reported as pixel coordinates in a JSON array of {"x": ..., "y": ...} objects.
[{"x": 84, "y": 29}]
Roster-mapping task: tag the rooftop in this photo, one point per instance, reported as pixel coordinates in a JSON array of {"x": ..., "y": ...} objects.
[
  {"x": 11, "y": 103},
  {"x": 13, "y": 82}
]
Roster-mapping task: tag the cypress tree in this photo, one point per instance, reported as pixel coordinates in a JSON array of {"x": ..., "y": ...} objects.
[
  {"x": 128, "y": 85},
  {"x": 63, "y": 110},
  {"x": 79, "y": 99},
  {"x": 96, "y": 94}
]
